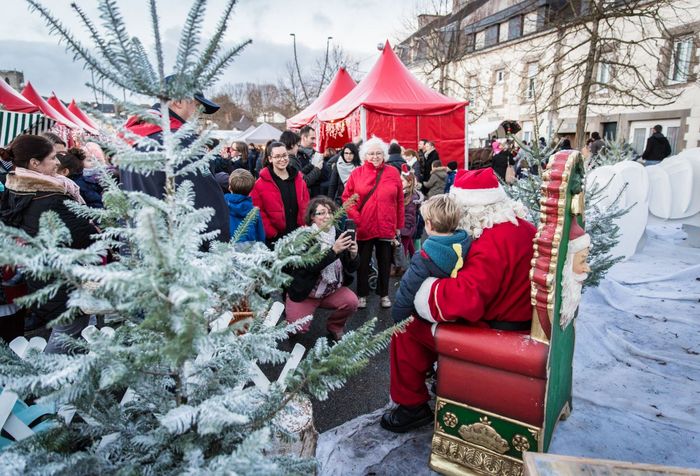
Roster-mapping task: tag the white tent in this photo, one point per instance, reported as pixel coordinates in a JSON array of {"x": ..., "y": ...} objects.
[{"x": 261, "y": 134}]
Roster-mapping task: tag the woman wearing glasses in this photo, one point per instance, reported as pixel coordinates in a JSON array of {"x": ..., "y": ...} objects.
[
  {"x": 348, "y": 161},
  {"x": 378, "y": 213},
  {"x": 280, "y": 193},
  {"x": 324, "y": 284}
]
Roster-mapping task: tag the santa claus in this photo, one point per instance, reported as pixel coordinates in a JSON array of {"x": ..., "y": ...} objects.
[
  {"x": 575, "y": 272},
  {"x": 491, "y": 290}
]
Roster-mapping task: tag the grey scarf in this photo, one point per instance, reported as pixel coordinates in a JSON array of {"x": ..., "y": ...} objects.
[{"x": 344, "y": 169}]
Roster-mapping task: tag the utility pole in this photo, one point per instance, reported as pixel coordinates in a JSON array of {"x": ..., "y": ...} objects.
[
  {"x": 296, "y": 62},
  {"x": 325, "y": 65}
]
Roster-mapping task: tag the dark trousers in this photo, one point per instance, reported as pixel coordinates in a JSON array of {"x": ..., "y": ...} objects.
[{"x": 383, "y": 251}]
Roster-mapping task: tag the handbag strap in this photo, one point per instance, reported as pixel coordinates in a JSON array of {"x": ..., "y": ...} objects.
[{"x": 376, "y": 183}]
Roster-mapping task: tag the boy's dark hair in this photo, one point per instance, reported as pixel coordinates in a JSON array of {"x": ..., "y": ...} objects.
[
  {"x": 452, "y": 165},
  {"x": 268, "y": 151},
  {"x": 313, "y": 205},
  {"x": 73, "y": 160},
  {"x": 658, "y": 128},
  {"x": 54, "y": 138},
  {"x": 394, "y": 148},
  {"x": 289, "y": 139},
  {"x": 241, "y": 182},
  {"x": 595, "y": 135},
  {"x": 25, "y": 147},
  {"x": 305, "y": 131},
  {"x": 435, "y": 164}
]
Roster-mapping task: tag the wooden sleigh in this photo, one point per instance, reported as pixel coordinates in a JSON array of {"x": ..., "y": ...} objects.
[{"x": 501, "y": 393}]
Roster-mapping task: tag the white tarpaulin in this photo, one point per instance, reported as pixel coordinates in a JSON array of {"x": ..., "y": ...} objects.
[{"x": 263, "y": 133}]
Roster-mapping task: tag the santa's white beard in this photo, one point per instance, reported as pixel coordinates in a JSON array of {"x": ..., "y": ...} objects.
[
  {"x": 477, "y": 218},
  {"x": 571, "y": 286}
]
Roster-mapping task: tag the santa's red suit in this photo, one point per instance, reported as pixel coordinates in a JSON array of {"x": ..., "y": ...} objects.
[{"x": 493, "y": 285}]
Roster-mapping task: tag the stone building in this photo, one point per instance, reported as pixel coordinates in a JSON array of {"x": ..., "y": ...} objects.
[
  {"x": 14, "y": 78},
  {"x": 519, "y": 60}
]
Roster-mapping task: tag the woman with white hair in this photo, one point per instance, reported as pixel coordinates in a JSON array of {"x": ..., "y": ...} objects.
[{"x": 378, "y": 212}]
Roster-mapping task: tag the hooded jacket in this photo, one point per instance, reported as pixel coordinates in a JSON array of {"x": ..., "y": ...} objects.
[
  {"x": 207, "y": 193},
  {"x": 238, "y": 208},
  {"x": 658, "y": 147},
  {"x": 436, "y": 183},
  {"x": 267, "y": 197},
  {"x": 383, "y": 212}
]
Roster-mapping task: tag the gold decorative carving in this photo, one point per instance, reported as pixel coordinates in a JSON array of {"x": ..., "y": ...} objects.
[
  {"x": 520, "y": 443},
  {"x": 483, "y": 434},
  {"x": 450, "y": 419},
  {"x": 577, "y": 204},
  {"x": 474, "y": 458},
  {"x": 535, "y": 434},
  {"x": 439, "y": 427},
  {"x": 439, "y": 405}
]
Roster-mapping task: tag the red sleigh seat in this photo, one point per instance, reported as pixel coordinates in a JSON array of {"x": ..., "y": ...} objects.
[{"x": 500, "y": 393}]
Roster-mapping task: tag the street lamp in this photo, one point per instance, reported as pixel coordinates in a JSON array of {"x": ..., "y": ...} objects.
[{"x": 296, "y": 62}]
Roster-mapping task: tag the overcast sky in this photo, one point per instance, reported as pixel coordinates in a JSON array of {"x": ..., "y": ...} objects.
[{"x": 356, "y": 25}]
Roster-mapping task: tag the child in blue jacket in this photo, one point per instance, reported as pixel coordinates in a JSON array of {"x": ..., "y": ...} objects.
[
  {"x": 441, "y": 256},
  {"x": 240, "y": 183}
]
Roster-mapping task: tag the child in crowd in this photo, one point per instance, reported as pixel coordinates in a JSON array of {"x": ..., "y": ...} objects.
[
  {"x": 75, "y": 164},
  {"x": 412, "y": 198},
  {"x": 451, "y": 172},
  {"x": 240, "y": 183},
  {"x": 436, "y": 182},
  {"x": 442, "y": 255}
]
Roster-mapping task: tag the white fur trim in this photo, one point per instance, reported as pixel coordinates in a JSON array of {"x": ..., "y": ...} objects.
[
  {"x": 421, "y": 301},
  {"x": 580, "y": 243},
  {"x": 433, "y": 329},
  {"x": 485, "y": 196},
  {"x": 477, "y": 218}
]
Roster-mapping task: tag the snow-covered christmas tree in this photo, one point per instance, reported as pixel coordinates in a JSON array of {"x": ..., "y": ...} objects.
[{"x": 170, "y": 391}]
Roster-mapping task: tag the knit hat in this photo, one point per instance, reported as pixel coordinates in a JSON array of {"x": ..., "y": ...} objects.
[
  {"x": 477, "y": 187},
  {"x": 578, "y": 238}
]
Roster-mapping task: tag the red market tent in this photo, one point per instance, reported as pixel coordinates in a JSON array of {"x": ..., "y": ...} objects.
[
  {"x": 35, "y": 98},
  {"x": 338, "y": 88},
  {"x": 391, "y": 103},
  {"x": 56, "y": 103},
  {"x": 13, "y": 101},
  {"x": 73, "y": 107}
]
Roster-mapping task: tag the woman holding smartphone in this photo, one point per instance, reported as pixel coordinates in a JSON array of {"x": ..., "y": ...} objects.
[{"x": 324, "y": 284}]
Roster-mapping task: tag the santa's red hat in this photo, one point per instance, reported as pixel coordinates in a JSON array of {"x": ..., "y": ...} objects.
[
  {"x": 477, "y": 187},
  {"x": 578, "y": 238}
]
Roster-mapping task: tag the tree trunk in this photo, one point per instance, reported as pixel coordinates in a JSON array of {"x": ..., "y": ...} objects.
[{"x": 586, "y": 85}]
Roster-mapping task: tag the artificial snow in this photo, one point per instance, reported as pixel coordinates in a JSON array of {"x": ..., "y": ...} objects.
[{"x": 636, "y": 394}]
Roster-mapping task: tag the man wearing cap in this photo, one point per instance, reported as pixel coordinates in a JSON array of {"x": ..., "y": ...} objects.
[
  {"x": 491, "y": 290},
  {"x": 207, "y": 193}
]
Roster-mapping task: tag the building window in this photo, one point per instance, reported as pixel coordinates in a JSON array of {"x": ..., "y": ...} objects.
[
  {"x": 500, "y": 75},
  {"x": 491, "y": 36},
  {"x": 531, "y": 74},
  {"x": 469, "y": 42},
  {"x": 515, "y": 27},
  {"x": 680, "y": 60},
  {"x": 603, "y": 77}
]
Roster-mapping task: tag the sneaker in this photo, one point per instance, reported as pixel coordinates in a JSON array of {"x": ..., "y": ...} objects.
[
  {"x": 361, "y": 302},
  {"x": 402, "y": 418},
  {"x": 385, "y": 302}
]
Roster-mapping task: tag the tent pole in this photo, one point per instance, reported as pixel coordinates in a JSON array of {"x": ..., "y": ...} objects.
[
  {"x": 466, "y": 138},
  {"x": 363, "y": 123}
]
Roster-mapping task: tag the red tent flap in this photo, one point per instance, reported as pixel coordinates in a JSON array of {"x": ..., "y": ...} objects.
[
  {"x": 390, "y": 88},
  {"x": 338, "y": 88},
  {"x": 62, "y": 109},
  {"x": 13, "y": 101},
  {"x": 32, "y": 95},
  {"x": 73, "y": 107}
]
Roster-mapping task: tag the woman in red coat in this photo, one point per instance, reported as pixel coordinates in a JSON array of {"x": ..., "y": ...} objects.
[
  {"x": 378, "y": 213},
  {"x": 281, "y": 194}
]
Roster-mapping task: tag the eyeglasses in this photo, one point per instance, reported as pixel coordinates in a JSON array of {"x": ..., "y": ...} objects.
[
  {"x": 376, "y": 153},
  {"x": 279, "y": 157},
  {"x": 321, "y": 213}
]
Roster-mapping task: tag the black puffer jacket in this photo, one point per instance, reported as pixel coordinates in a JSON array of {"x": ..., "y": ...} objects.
[
  {"x": 21, "y": 206},
  {"x": 304, "y": 279}
]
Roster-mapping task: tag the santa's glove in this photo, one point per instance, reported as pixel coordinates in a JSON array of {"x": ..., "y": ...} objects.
[{"x": 422, "y": 301}]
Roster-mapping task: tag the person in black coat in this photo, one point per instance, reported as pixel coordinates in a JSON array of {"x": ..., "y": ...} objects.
[
  {"x": 324, "y": 283},
  {"x": 348, "y": 160},
  {"x": 395, "y": 159},
  {"x": 33, "y": 188},
  {"x": 501, "y": 160},
  {"x": 658, "y": 147}
]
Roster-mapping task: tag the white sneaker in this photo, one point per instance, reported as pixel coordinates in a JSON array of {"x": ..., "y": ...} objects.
[
  {"x": 385, "y": 302},
  {"x": 361, "y": 302}
]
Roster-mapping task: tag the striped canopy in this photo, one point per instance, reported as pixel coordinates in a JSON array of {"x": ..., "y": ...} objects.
[{"x": 13, "y": 124}]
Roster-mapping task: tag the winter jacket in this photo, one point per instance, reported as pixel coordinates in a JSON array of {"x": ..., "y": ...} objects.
[
  {"x": 428, "y": 164},
  {"x": 207, "y": 193},
  {"x": 219, "y": 164},
  {"x": 449, "y": 180},
  {"x": 410, "y": 223},
  {"x": 336, "y": 187},
  {"x": 436, "y": 182},
  {"x": 383, "y": 212},
  {"x": 395, "y": 160},
  {"x": 312, "y": 174},
  {"x": 500, "y": 163},
  {"x": 416, "y": 166},
  {"x": 658, "y": 147},
  {"x": 304, "y": 279},
  {"x": 90, "y": 189},
  {"x": 439, "y": 257},
  {"x": 23, "y": 202},
  {"x": 326, "y": 171},
  {"x": 238, "y": 208},
  {"x": 596, "y": 146},
  {"x": 267, "y": 197}
]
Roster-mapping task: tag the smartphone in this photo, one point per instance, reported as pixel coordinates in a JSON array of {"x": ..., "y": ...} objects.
[{"x": 350, "y": 228}]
